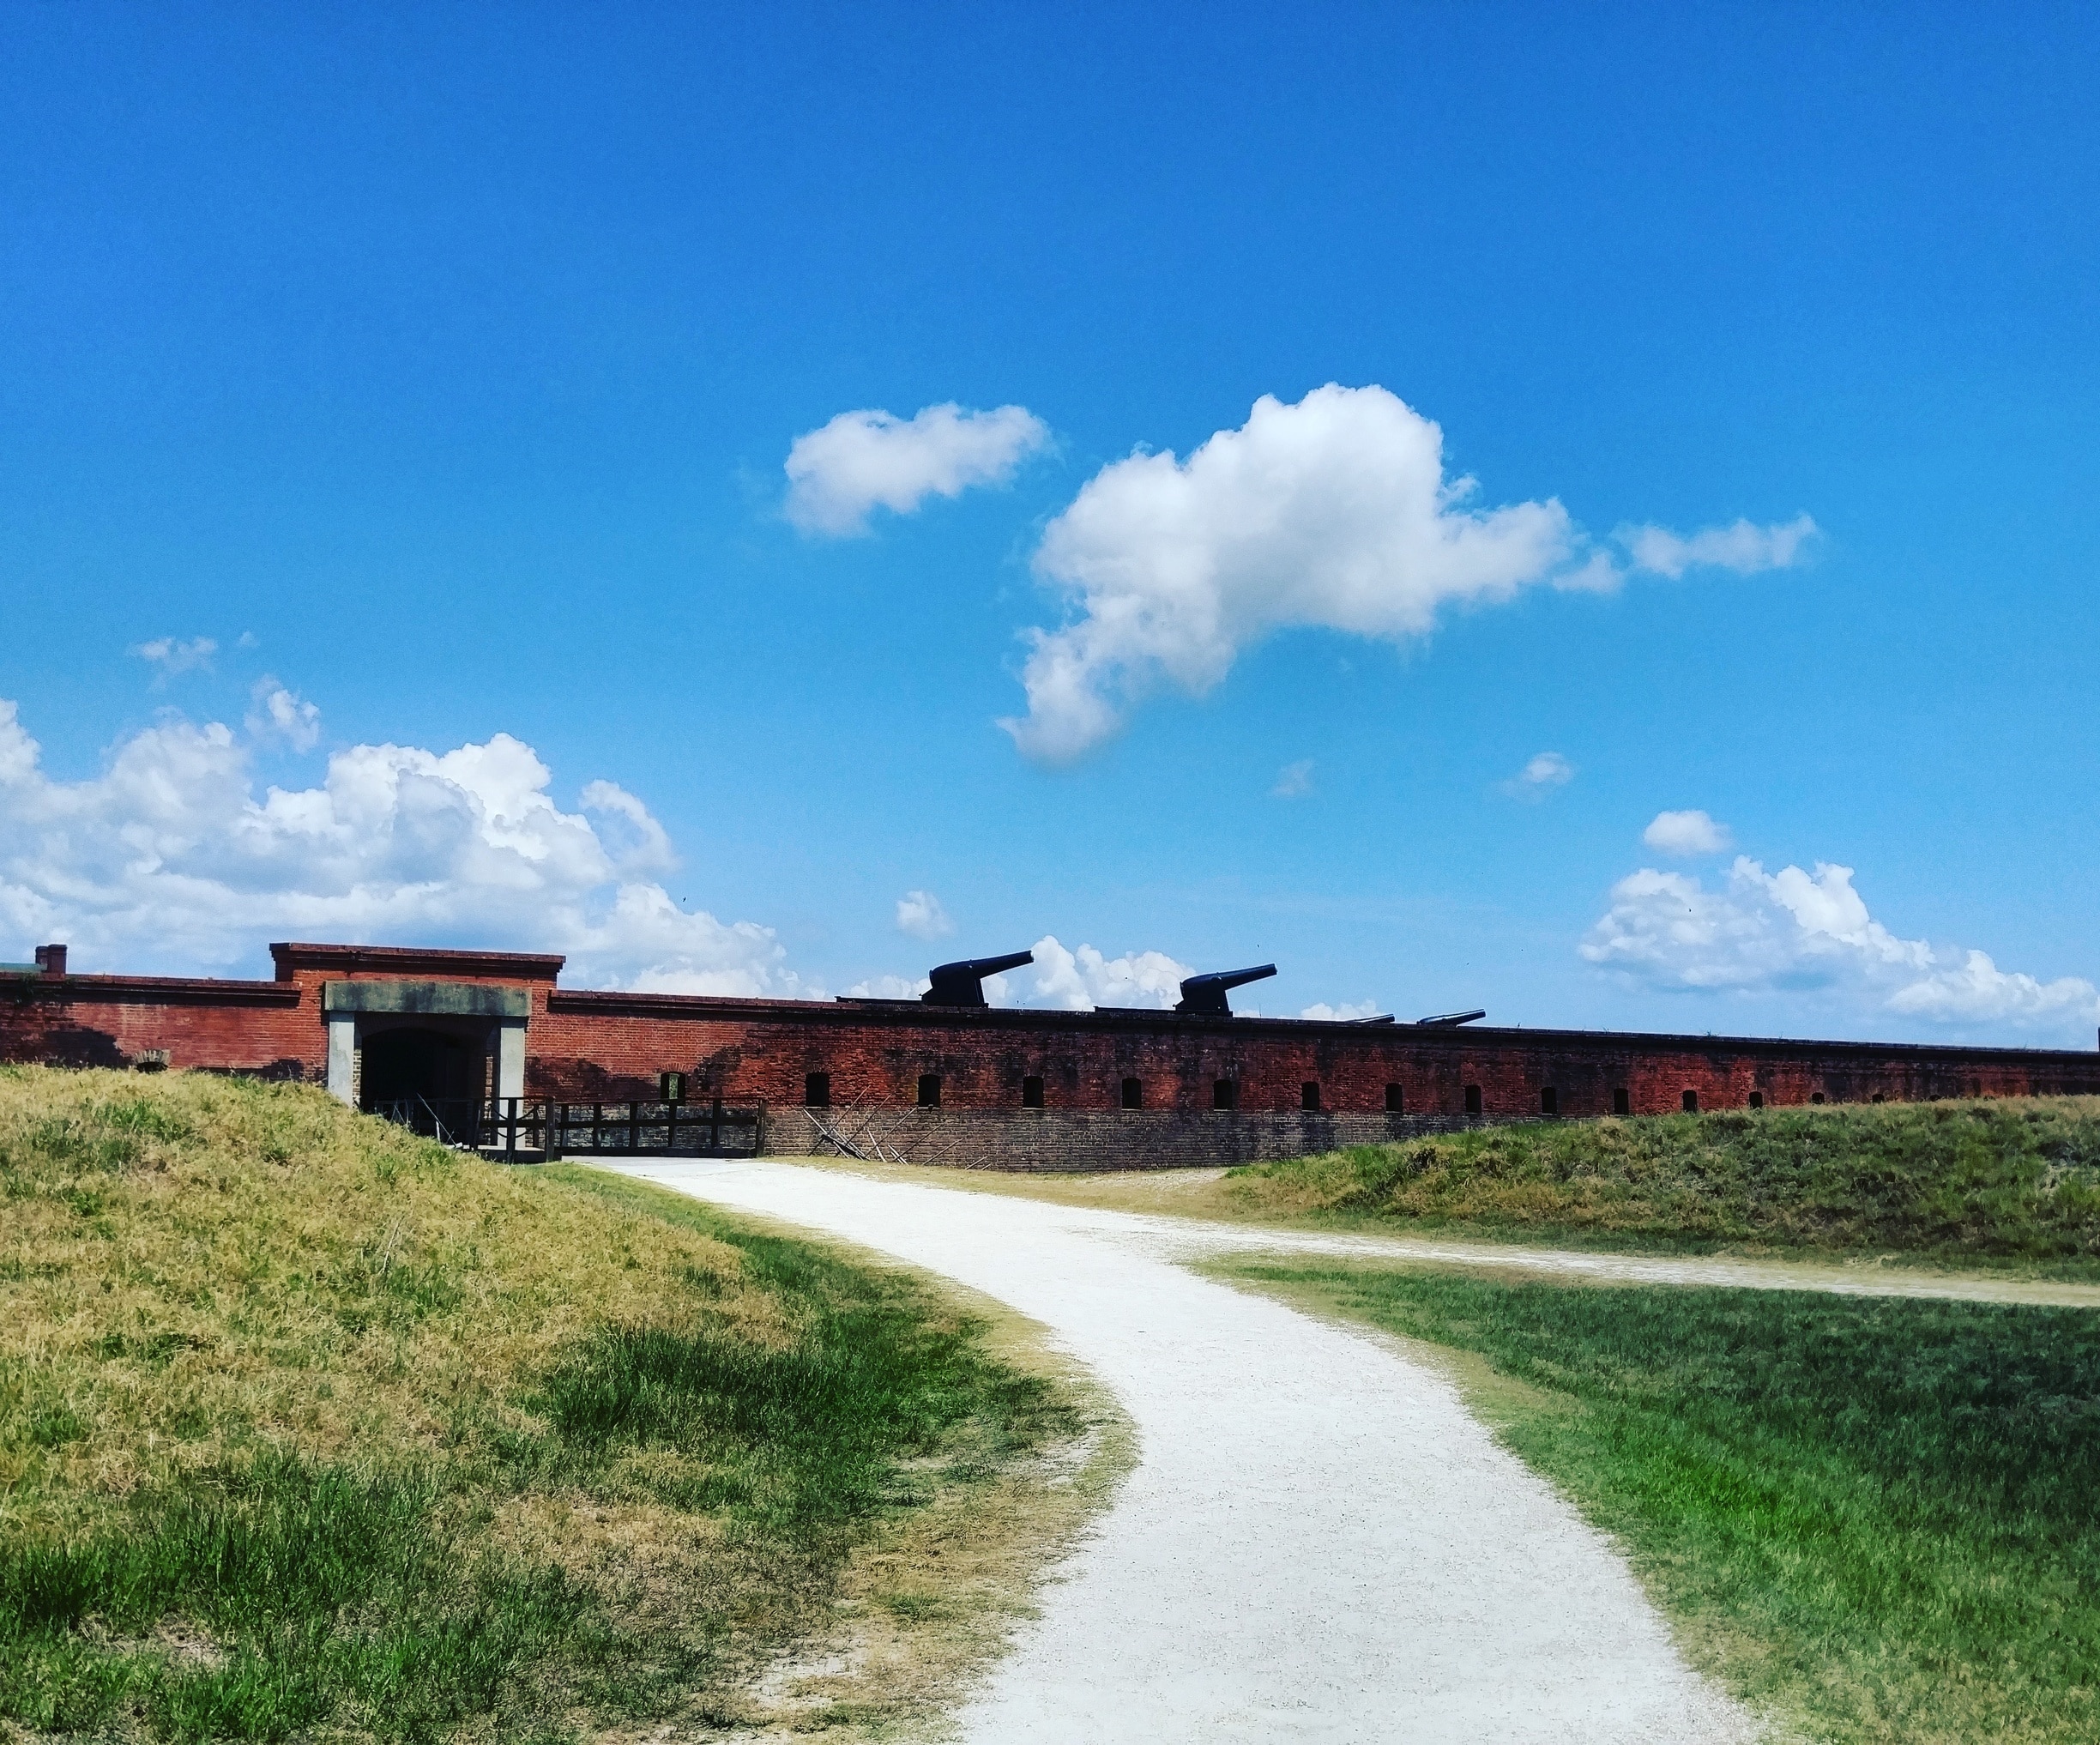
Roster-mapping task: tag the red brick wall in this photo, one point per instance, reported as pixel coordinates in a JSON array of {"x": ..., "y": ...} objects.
[
  {"x": 610, "y": 1046},
  {"x": 262, "y": 1027}
]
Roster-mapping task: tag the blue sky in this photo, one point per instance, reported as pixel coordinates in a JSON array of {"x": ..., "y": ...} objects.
[{"x": 440, "y": 367}]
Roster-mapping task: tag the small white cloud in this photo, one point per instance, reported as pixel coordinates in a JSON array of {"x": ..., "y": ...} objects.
[
  {"x": 1746, "y": 548},
  {"x": 889, "y": 987},
  {"x": 279, "y": 715},
  {"x": 1294, "y": 779},
  {"x": 172, "y": 655},
  {"x": 1084, "y": 978},
  {"x": 1686, "y": 833},
  {"x": 247, "y": 639},
  {"x": 1344, "y": 1013},
  {"x": 1794, "y": 930},
  {"x": 919, "y": 914},
  {"x": 861, "y": 461},
  {"x": 1539, "y": 777}
]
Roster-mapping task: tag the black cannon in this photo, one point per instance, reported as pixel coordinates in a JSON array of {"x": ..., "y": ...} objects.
[
  {"x": 1204, "y": 995},
  {"x": 958, "y": 984},
  {"x": 1452, "y": 1020}
]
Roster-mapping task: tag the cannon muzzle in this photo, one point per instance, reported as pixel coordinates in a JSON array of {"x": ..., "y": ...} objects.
[
  {"x": 959, "y": 984},
  {"x": 1204, "y": 995}
]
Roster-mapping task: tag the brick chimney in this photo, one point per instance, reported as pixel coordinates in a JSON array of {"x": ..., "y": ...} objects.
[{"x": 50, "y": 959}]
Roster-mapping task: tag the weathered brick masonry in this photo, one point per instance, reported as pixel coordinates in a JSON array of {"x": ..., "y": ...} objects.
[
  {"x": 875, "y": 1053},
  {"x": 1150, "y": 1082}
]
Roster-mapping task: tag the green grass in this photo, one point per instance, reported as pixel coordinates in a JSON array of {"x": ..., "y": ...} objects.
[
  {"x": 310, "y": 1428},
  {"x": 1875, "y": 1517},
  {"x": 2006, "y": 1181}
]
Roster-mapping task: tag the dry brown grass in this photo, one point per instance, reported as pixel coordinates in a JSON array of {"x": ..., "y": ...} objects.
[
  {"x": 199, "y": 1277},
  {"x": 344, "y": 1299}
]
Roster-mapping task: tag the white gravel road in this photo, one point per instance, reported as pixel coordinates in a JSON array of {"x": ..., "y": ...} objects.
[{"x": 1317, "y": 1542}]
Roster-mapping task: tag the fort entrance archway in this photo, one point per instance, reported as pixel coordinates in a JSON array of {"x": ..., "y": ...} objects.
[
  {"x": 430, "y": 1054},
  {"x": 403, "y": 1065}
]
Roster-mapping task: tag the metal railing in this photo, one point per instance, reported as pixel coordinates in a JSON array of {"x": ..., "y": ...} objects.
[
  {"x": 549, "y": 1128},
  {"x": 554, "y": 1128}
]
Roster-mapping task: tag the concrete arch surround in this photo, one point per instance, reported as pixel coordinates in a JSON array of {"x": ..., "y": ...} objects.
[{"x": 488, "y": 1020}]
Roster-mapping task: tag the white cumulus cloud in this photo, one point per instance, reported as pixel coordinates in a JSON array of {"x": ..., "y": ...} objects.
[
  {"x": 919, "y": 914},
  {"x": 1075, "y": 980},
  {"x": 862, "y": 461},
  {"x": 171, "y": 859},
  {"x": 1343, "y": 1013},
  {"x": 1745, "y": 547},
  {"x": 1334, "y": 512},
  {"x": 1686, "y": 833},
  {"x": 1764, "y": 932}
]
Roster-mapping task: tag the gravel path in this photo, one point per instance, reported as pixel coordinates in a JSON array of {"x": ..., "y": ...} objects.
[{"x": 1318, "y": 1543}]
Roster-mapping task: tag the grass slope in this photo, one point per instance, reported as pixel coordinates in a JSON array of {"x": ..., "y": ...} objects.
[
  {"x": 1994, "y": 1182},
  {"x": 311, "y": 1429},
  {"x": 1873, "y": 1517}
]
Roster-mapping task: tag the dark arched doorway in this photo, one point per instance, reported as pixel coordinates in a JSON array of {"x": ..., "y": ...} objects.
[{"x": 423, "y": 1078}]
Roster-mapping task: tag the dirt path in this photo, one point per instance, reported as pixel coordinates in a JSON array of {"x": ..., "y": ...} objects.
[
  {"x": 1318, "y": 1543},
  {"x": 1171, "y": 1201}
]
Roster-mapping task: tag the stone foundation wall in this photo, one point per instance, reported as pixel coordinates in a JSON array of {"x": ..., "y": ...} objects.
[{"x": 1072, "y": 1139}]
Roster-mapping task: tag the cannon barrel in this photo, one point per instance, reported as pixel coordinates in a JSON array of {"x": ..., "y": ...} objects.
[
  {"x": 1205, "y": 995},
  {"x": 1452, "y": 1020},
  {"x": 959, "y": 984}
]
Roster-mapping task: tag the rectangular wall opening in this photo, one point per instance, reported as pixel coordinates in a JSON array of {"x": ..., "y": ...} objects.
[
  {"x": 1133, "y": 1093},
  {"x": 1622, "y": 1103},
  {"x": 1473, "y": 1099},
  {"x": 1225, "y": 1094},
  {"x": 929, "y": 1091},
  {"x": 1396, "y": 1100},
  {"x": 1691, "y": 1102},
  {"x": 1031, "y": 1092},
  {"x": 1815, "y": 1096},
  {"x": 1308, "y": 1094},
  {"x": 817, "y": 1090},
  {"x": 1549, "y": 1100},
  {"x": 1756, "y": 1099}
]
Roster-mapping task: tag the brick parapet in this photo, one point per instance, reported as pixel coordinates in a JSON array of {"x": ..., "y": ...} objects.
[
  {"x": 613, "y": 1045},
  {"x": 270, "y": 1028}
]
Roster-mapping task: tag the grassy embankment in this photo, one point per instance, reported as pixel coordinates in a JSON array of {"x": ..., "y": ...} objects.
[
  {"x": 308, "y": 1428},
  {"x": 1874, "y": 1518},
  {"x": 2010, "y": 1183}
]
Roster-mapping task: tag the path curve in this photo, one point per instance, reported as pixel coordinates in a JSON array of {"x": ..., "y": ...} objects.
[{"x": 1318, "y": 1544}]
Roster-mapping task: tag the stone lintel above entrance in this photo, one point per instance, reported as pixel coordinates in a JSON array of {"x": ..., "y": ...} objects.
[{"x": 427, "y": 998}]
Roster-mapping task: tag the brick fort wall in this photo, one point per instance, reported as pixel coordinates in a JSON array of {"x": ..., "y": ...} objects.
[{"x": 609, "y": 1047}]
